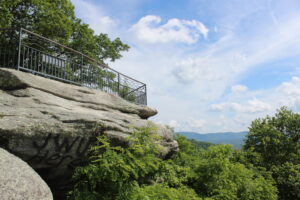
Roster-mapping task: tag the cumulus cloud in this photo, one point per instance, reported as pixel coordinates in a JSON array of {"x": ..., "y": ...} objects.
[
  {"x": 256, "y": 106},
  {"x": 95, "y": 16},
  {"x": 238, "y": 88},
  {"x": 149, "y": 29},
  {"x": 194, "y": 69},
  {"x": 288, "y": 93},
  {"x": 187, "y": 71},
  {"x": 291, "y": 88},
  {"x": 196, "y": 124},
  {"x": 231, "y": 51},
  {"x": 173, "y": 123},
  {"x": 190, "y": 123},
  {"x": 243, "y": 110},
  {"x": 251, "y": 106}
]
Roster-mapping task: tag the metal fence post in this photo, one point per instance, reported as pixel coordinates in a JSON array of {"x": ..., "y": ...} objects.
[
  {"x": 81, "y": 70},
  {"x": 19, "y": 49},
  {"x": 145, "y": 102},
  {"x": 118, "y": 84}
]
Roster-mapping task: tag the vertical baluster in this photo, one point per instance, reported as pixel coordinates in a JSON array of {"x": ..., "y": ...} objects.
[
  {"x": 47, "y": 58},
  {"x": 55, "y": 66},
  {"x": 35, "y": 61},
  {"x": 19, "y": 48},
  {"x": 38, "y": 59},
  {"x": 80, "y": 70},
  {"x": 42, "y": 62},
  {"x": 23, "y": 56},
  {"x": 1, "y": 51},
  {"x": 27, "y": 58}
]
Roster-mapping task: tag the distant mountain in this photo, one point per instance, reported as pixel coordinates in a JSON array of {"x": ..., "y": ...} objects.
[
  {"x": 201, "y": 144},
  {"x": 234, "y": 138}
]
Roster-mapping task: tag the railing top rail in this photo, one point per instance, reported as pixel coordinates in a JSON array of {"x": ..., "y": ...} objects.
[
  {"x": 38, "y": 54},
  {"x": 73, "y": 50}
]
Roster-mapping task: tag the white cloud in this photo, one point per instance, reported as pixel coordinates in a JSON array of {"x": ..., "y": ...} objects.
[
  {"x": 191, "y": 70},
  {"x": 149, "y": 29},
  {"x": 218, "y": 107},
  {"x": 189, "y": 123},
  {"x": 288, "y": 94},
  {"x": 238, "y": 45},
  {"x": 251, "y": 106},
  {"x": 243, "y": 110},
  {"x": 95, "y": 16},
  {"x": 238, "y": 88},
  {"x": 255, "y": 106},
  {"x": 291, "y": 88},
  {"x": 196, "y": 124},
  {"x": 211, "y": 71},
  {"x": 173, "y": 123}
]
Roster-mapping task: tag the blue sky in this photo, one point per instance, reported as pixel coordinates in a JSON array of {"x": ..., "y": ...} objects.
[{"x": 210, "y": 65}]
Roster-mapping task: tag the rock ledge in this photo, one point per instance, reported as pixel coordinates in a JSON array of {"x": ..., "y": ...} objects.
[{"x": 51, "y": 125}]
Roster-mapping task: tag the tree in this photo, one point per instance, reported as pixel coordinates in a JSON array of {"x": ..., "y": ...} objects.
[
  {"x": 287, "y": 177},
  {"x": 276, "y": 139},
  {"x": 218, "y": 177},
  {"x": 275, "y": 142},
  {"x": 55, "y": 19}
]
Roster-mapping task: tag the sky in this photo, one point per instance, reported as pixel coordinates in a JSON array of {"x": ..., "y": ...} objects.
[{"x": 209, "y": 65}]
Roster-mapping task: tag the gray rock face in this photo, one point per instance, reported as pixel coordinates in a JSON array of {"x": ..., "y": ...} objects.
[
  {"x": 18, "y": 181},
  {"x": 51, "y": 125}
]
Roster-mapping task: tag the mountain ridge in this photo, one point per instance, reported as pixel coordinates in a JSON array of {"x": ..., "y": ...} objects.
[{"x": 234, "y": 138}]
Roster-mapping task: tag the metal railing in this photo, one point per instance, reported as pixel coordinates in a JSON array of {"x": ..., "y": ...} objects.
[{"x": 27, "y": 51}]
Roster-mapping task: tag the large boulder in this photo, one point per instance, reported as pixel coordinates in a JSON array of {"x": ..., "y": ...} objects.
[
  {"x": 18, "y": 181},
  {"x": 51, "y": 124}
]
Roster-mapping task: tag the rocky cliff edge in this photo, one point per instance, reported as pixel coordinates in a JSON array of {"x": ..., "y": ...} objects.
[{"x": 51, "y": 124}]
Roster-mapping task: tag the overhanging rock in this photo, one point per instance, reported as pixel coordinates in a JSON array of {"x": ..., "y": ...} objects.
[{"x": 51, "y": 124}]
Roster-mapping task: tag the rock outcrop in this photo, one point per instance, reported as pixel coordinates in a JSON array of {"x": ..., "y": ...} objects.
[
  {"x": 18, "y": 181},
  {"x": 51, "y": 124}
]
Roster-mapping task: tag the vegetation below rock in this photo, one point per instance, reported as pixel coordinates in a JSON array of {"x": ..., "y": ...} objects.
[
  {"x": 138, "y": 173},
  {"x": 267, "y": 168}
]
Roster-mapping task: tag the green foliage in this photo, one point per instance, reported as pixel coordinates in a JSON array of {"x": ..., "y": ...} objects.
[
  {"x": 161, "y": 192},
  {"x": 200, "y": 144},
  {"x": 219, "y": 173},
  {"x": 274, "y": 143},
  {"x": 217, "y": 176},
  {"x": 287, "y": 177},
  {"x": 55, "y": 19},
  {"x": 137, "y": 172},
  {"x": 126, "y": 92},
  {"x": 109, "y": 49},
  {"x": 115, "y": 172},
  {"x": 276, "y": 138}
]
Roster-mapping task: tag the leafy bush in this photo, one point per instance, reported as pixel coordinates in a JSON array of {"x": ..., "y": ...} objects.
[
  {"x": 219, "y": 177},
  {"x": 137, "y": 172},
  {"x": 162, "y": 192},
  {"x": 115, "y": 172},
  {"x": 274, "y": 143}
]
